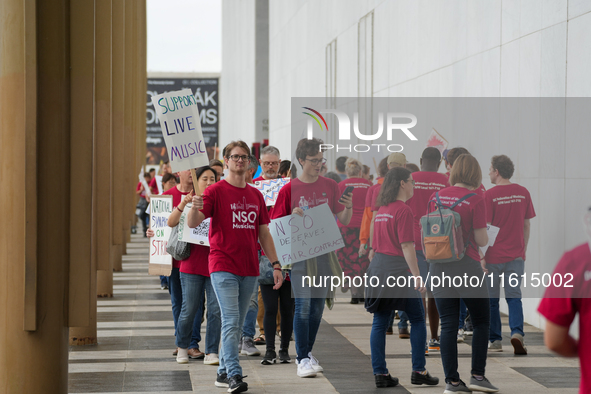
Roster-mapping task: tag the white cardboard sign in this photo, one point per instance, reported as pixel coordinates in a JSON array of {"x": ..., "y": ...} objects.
[
  {"x": 160, "y": 210},
  {"x": 492, "y": 232},
  {"x": 198, "y": 235},
  {"x": 181, "y": 128},
  {"x": 300, "y": 238},
  {"x": 270, "y": 189}
]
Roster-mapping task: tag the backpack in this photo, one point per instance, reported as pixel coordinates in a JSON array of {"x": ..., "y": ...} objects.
[{"x": 441, "y": 233}]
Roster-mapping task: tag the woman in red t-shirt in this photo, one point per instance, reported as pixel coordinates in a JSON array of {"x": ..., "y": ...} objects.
[
  {"x": 465, "y": 178},
  {"x": 395, "y": 256},
  {"x": 348, "y": 256}
]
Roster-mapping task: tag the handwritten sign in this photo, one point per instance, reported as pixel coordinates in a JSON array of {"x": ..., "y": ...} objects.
[
  {"x": 198, "y": 235},
  {"x": 181, "y": 129},
  {"x": 300, "y": 238},
  {"x": 492, "y": 232},
  {"x": 160, "y": 260},
  {"x": 436, "y": 140},
  {"x": 270, "y": 189}
]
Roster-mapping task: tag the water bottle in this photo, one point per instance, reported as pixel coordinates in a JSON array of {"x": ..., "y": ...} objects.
[{"x": 303, "y": 203}]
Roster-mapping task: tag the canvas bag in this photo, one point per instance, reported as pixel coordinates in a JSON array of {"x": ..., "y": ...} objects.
[
  {"x": 179, "y": 250},
  {"x": 441, "y": 233}
]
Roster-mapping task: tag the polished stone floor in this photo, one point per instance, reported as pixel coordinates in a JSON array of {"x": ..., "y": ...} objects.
[{"x": 136, "y": 340}]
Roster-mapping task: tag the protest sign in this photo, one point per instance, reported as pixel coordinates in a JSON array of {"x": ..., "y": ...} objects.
[
  {"x": 159, "y": 183},
  {"x": 436, "y": 140},
  {"x": 300, "y": 238},
  {"x": 144, "y": 183},
  {"x": 492, "y": 232},
  {"x": 270, "y": 189},
  {"x": 181, "y": 129},
  {"x": 198, "y": 235},
  {"x": 160, "y": 260}
]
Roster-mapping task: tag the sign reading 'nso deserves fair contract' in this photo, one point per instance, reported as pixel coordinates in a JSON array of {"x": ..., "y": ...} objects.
[
  {"x": 300, "y": 238},
  {"x": 179, "y": 118}
]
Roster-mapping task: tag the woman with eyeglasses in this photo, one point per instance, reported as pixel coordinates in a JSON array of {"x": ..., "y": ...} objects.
[
  {"x": 307, "y": 191},
  {"x": 394, "y": 258}
]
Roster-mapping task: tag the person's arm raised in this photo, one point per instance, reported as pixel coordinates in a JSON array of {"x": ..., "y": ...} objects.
[
  {"x": 175, "y": 216},
  {"x": 195, "y": 216}
]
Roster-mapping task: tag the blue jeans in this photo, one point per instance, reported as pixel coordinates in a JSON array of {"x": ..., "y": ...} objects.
[
  {"x": 176, "y": 297},
  {"x": 463, "y": 314},
  {"x": 163, "y": 280},
  {"x": 512, "y": 295},
  {"x": 308, "y": 311},
  {"x": 403, "y": 322},
  {"x": 194, "y": 288},
  {"x": 418, "y": 336},
  {"x": 249, "y": 327},
  {"x": 233, "y": 293}
]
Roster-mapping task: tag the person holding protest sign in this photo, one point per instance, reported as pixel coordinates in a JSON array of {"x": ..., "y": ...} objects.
[
  {"x": 195, "y": 282},
  {"x": 304, "y": 192},
  {"x": 465, "y": 178},
  {"x": 509, "y": 207},
  {"x": 351, "y": 262},
  {"x": 427, "y": 181},
  {"x": 238, "y": 218},
  {"x": 394, "y": 257},
  {"x": 165, "y": 170},
  {"x": 143, "y": 202}
]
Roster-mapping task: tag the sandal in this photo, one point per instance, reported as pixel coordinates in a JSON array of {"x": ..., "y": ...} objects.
[{"x": 260, "y": 340}]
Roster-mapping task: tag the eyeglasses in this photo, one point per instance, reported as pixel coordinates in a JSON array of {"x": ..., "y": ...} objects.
[
  {"x": 411, "y": 180},
  {"x": 315, "y": 162},
  {"x": 239, "y": 157},
  {"x": 270, "y": 163}
]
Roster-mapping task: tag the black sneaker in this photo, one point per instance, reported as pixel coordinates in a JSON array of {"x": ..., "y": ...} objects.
[
  {"x": 419, "y": 378},
  {"x": 222, "y": 380},
  {"x": 284, "y": 356},
  {"x": 385, "y": 381},
  {"x": 270, "y": 357},
  {"x": 237, "y": 385},
  {"x": 354, "y": 300}
]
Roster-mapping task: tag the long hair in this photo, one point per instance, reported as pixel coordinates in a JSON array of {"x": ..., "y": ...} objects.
[
  {"x": 466, "y": 170},
  {"x": 391, "y": 186}
]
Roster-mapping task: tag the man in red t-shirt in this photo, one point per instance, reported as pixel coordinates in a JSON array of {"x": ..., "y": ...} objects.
[
  {"x": 238, "y": 219},
  {"x": 561, "y": 304},
  {"x": 427, "y": 181},
  {"x": 509, "y": 207}
]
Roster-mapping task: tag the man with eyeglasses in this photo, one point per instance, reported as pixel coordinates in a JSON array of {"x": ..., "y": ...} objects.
[
  {"x": 238, "y": 219},
  {"x": 270, "y": 160},
  {"x": 307, "y": 191}
]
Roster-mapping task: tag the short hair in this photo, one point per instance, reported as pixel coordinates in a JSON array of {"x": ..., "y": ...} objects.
[
  {"x": 152, "y": 169},
  {"x": 167, "y": 177},
  {"x": 353, "y": 167},
  {"x": 431, "y": 154},
  {"x": 341, "y": 163},
  {"x": 284, "y": 167},
  {"x": 308, "y": 147},
  {"x": 234, "y": 144},
  {"x": 466, "y": 170},
  {"x": 391, "y": 186},
  {"x": 383, "y": 167},
  {"x": 334, "y": 176},
  {"x": 216, "y": 162},
  {"x": 166, "y": 162},
  {"x": 147, "y": 174},
  {"x": 294, "y": 171},
  {"x": 454, "y": 153},
  {"x": 253, "y": 163},
  {"x": 504, "y": 165},
  {"x": 412, "y": 167},
  {"x": 199, "y": 171},
  {"x": 270, "y": 150},
  {"x": 366, "y": 169}
]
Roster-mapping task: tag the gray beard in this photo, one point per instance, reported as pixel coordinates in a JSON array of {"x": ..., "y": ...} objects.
[{"x": 271, "y": 175}]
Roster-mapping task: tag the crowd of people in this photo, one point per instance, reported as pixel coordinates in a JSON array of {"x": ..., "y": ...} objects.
[{"x": 238, "y": 280}]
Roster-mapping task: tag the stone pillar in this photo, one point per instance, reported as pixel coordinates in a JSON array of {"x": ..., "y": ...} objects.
[
  {"x": 35, "y": 168},
  {"x": 102, "y": 217}
]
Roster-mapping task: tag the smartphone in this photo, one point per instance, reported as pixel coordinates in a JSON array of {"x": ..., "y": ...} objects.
[{"x": 348, "y": 190}]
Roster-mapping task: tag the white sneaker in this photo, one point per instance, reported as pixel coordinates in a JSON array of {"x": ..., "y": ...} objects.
[
  {"x": 182, "y": 356},
  {"x": 461, "y": 335},
  {"x": 314, "y": 363},
  {"x": 211, "y": 359},
  {"x": 305, "y": 370}
]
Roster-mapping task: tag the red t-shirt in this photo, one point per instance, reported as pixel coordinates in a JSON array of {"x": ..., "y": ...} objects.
[
  {"x": 393, "y": 226},
  {"x": 372, "y": 195},
  {"x": 143, "y": 193},
  {"x": 198, "y": 261},
  {"x": 507, "y": 206},
  {"x": 426, "y": 183},
  {"x": 236, "y": 214},
  {"x": 361, "y": 187},
  {"x": 153, "y": 186},
  {"x": 571, "y": 301},
  {"x": 297, "y": 193},
  {"x": 472, "y": 211},
  {"x": 177, "y": 197}
]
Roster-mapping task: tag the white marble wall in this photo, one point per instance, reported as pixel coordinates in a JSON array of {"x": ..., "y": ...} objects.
[{"x": 458, "y": 48}]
